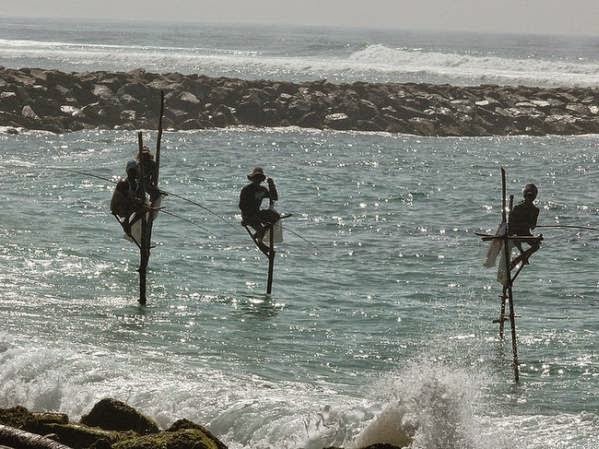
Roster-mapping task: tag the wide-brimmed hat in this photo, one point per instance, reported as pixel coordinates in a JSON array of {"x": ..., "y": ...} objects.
[{"x": 256, "y": 173}]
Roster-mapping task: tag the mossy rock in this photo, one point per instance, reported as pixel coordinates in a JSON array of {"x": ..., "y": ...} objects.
[
  {"x": 78, "y": 436},
  {"x": 35, "y": 422},
  {"x": 180, "y": 439},
  {"x": 51, "y": 417},
  {"x": 16, "y": 417},
  {"x": 187, "y": 424},
  {"x": 110, "y": 414}
]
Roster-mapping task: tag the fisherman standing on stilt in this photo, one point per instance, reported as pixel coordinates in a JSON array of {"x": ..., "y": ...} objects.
[
  {"x": 522, "y": 219},
  {"x": 250, "y": 200}
]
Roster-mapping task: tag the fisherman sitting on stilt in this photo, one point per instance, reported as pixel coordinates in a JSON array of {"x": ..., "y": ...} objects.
[
  {"x": 125, "y": 204},
  {"x": 146, "y": 159},
  {"x": 250, "y": 200},
  {"x": 522, "y": 219}
]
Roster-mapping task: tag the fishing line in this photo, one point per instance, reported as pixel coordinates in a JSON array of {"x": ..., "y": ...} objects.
[
  {"x": 200, "y": 206},
  {"x": 161, "y": 191},
  {"x": 297, "y": 234},
  {"x": 187, "y": 220},
  {"x": 83, "y": 173}
]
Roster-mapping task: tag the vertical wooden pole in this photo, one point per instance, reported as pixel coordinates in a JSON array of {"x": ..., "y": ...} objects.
[
  {"x": 271, "y": 259},
  {"x": 144, "y": 250},
  {"x": 508, "y": 285},
  {"x": 502, "y": 312},
  {"x": 159, "y": 137},
  {"x": 504, "y": 221},
  {"x": 503, "y": 196},
  {"x": 513, "y": 314}
]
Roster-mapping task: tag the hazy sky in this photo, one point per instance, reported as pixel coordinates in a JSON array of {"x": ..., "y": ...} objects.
[{"x": 520, "y": 16}]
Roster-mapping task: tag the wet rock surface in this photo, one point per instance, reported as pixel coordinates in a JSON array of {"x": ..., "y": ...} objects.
[
  {"x": 23, "y": 429},
  {"x": 60, "y": 102}
]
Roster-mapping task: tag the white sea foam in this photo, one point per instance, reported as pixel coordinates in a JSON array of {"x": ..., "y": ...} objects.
[
  {"x": 376, "y": 63},
  {"x": 430, "y": 406},
  {"x": 483, "y": 69}
]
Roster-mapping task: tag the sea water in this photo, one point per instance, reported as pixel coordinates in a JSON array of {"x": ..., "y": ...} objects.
[
  {"x": 301, "y": 53},
  {"x": 380, "y": 322}
]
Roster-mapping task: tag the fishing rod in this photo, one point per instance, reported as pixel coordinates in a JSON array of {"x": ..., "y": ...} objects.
[
  {"x": 586, "y": 228},
  {"x": 69, "y": 170},
  {"x": 195, "y": 203}
]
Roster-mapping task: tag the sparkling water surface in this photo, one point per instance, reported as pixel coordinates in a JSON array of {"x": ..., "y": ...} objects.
[{"x": 386, "y": 312}]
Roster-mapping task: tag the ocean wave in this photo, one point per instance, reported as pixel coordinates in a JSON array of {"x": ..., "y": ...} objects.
[
  {"x": 483, "y": 68},
  {"x": 375, "y": 63},
  {"x": 428, "y": 406}
]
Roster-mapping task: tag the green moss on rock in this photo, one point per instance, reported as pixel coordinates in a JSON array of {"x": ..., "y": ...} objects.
[
  {"x": 180, "y": 439},
  {"x": 81, "y": 437},
  {"x": 110, "y": 414},
  {"x": 16, "y": 417}
]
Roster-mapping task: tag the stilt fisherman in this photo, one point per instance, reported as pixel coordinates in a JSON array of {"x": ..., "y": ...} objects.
[
  {"x": 522, "y": 219},
  {"x": 250, "y": 200},
  {"x": 125, "y": 200}
]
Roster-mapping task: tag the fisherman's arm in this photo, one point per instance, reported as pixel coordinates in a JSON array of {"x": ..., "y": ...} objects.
[
  {"x": 272, "y": 190},
  {"x": 534, "y": 217}
]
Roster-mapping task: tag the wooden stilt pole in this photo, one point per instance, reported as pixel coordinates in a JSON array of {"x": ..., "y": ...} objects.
[
  {"x": 512, "y": 312},
  {"x": 144, "y": 249},
  {"x": 271, "y": 259},
  {"x": 147, "y": 220},
  {"x": 504, "y": 221},
  {"x": 502, "y": 312},
  {"x": 508, "y": 271},
  {"x": 159, "y": 137}
]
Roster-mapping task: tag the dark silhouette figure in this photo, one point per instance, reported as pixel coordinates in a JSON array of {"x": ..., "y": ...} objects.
[
  {"x": 522, "y": 219},
  {"x": 250, "y": 200}
]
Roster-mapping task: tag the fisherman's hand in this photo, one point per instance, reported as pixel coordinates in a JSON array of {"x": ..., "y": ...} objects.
[{"x": 270, "y": 181}]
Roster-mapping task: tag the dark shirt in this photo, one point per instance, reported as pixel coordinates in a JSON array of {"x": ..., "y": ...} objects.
[
  {"x": 523, "y": 218},
  {"x": 149, "y": 173},
  {"x": 250, "y": 199}
]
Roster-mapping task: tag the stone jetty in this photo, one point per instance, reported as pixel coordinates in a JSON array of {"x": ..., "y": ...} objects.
[{"x": 59, "y": 102}]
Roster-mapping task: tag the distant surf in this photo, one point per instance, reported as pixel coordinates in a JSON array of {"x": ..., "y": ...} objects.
[{"x": 272, "y": 54}]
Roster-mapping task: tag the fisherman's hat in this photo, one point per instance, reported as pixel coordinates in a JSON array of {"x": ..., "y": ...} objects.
[{"x": 258, "y": 171}]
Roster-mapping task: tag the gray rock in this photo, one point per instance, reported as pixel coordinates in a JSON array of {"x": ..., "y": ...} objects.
[
  {"x": 29, "y": 113},
  {"x": 102, "y": 91},
  {"x": 338, "y": 120}
]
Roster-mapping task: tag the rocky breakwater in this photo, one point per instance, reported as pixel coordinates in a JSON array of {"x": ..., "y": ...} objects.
[{"x": 57, "y": 101}]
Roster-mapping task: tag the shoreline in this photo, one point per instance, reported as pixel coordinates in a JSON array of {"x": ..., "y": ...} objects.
[{"x": 51, "y": 100}]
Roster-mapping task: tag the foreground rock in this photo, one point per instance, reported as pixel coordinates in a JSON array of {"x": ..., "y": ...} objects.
[
  {"x": 113, "y": 424},
  {"x": 110, "y": 414},
  {"x": 22, "y": 429},
  {"x": 56, "y": 101}
]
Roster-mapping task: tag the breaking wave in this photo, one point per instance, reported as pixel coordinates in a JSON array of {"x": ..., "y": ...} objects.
[
  {"x": 374, "y": 63},
  {"x": 426, "y": 406},
  {"x": 478, "y": 69}
]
